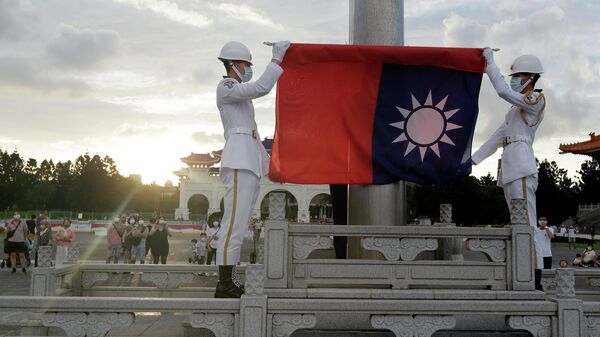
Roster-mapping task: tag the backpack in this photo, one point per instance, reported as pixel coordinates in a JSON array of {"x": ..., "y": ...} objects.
[
  {"x": 44, "y": 237},
  {"x": 11, "y": 233}
]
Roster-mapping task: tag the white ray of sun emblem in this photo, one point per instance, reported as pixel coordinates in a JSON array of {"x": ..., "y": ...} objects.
[{"x": 425, "y": 126}]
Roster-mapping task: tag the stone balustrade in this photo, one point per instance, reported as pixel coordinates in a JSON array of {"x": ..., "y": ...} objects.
[
  {"x": 405, "y": 263},
  {"x": 424, "y": 282},
  {"x": 115, "y": 280}
]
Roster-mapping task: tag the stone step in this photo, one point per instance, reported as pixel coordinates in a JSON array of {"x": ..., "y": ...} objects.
[{"x": 371, "y": 333}]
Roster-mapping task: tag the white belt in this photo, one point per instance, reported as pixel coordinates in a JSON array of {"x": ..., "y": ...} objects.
[
  {"x": 241, "y": 131},
  {"x": 514, "y": 139}
]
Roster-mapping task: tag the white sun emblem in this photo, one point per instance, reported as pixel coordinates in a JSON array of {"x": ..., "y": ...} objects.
[{"x": 425, "y": 126}]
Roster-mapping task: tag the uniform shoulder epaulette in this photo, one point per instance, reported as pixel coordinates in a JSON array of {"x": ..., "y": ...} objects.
[
  {"x": 229, "y": 83},
  {"x": 533, "y": 97}
]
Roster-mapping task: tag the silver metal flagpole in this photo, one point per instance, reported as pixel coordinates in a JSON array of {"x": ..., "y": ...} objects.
[{"x": 376, "y": 23}]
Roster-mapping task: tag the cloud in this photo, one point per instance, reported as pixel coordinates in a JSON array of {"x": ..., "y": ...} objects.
[
  {"x": 12, "y": 26},
  {"x": 82, "y": 48},
  {"x": 463, "y": 32},
  {"x": 205, "y": 138},
  {"x": 142, "y": 130},
  {"x": 535, "y": 27},
  {"x": 170, "y": 10},
  {"x": 22, "y": 72},
  {"x": 169, "y": 104},
  {"x": 245, "y": 13}
]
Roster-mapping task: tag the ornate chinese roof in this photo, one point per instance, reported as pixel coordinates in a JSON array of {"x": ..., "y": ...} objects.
[
  {"x": 203, "y": 159},
  {"x": 589, "y": 147},
  {"x": 180, "y": 173}
]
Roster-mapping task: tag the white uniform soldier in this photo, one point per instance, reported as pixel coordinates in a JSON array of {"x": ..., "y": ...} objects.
[
  {"x": 244, "y": 159},
  {"x": 518, "y": 170}
]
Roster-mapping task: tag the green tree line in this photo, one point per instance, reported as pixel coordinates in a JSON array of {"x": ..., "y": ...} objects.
[
  {"x": 481, "y": 201},
  {"x": 89, "y": 184},
  {"x": 93, "y": 184}
]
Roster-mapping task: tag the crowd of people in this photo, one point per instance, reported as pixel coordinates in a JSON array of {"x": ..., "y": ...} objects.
[
  {"x": 24, "y": 237},
  {"x": 137, "y": 241}
]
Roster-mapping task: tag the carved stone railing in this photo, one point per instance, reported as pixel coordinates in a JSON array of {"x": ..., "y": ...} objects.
[
  {"x": 99, "y": 279},
  {"x": 410, "y": 255},
  {"x": 589, "y": 286},
  {"x": 288, "y": 246}
]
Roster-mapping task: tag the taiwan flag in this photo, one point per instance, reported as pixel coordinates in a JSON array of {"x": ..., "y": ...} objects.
[{"x": 375, "y": 114}]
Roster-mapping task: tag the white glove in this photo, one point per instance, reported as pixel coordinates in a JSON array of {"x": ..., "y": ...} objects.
[
  {"x": 488, "y": 55},
  {"x": 279, "y": 49}
]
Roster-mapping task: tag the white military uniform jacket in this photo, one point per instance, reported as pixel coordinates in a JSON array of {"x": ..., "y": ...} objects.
[
  {"x": 243, "y": 146},
  {"x": 517, "y": 132}
]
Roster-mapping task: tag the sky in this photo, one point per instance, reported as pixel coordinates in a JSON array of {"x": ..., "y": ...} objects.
[{"x": 135, "y": 79}]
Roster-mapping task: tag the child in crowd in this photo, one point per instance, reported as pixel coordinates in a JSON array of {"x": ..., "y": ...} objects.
[
  {"x": 577, "y": 261},
  {"x": 201, "y": 248},
  {"x": 589, "y": 256},
  {"x": 563, "y": 263},
  {"x": 194, "y": 247}
]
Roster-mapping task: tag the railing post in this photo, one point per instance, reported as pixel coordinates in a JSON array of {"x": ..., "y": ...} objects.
[
  {"x": 253, "y": 304},
  {"x": 571, "y": 322},
  {"x": 276, "y": 243},
  {"x": 450, "y": 247},
  {"x": 522, "y": 247}
]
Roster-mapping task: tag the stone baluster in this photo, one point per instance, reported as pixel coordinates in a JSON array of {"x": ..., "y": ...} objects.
[
  {"x": 73, "y": 253},
  {"x": 571, "y": 320},
  {"x": 277, "y": 206},
  {"x": 522, "y": 249},
  {"x": 253, "y": 304},
  {"x": 45, "y": 256},
  {"x": 276, "y": 243},
  {"x": 450, "y": 248},
  {"x": 276, "y": 254}
]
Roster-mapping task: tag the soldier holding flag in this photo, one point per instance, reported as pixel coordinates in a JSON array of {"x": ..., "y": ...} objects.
[{"x": 518, "y": 171}]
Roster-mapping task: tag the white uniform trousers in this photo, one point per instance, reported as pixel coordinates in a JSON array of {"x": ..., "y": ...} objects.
[
  {"x": 524, "y": 188},
  {"x": 241, "y": 192}
]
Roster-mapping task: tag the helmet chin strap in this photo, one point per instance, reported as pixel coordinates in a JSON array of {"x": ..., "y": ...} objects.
[
  {"x": 524, "y": 85},
  {"x": 237, "y": 72}
]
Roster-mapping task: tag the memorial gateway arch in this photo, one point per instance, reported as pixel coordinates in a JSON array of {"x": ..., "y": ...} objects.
[{"x": 201, "y": 192}]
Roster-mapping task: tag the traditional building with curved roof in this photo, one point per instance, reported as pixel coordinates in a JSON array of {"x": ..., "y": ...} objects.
[{"x": 199, "y": 183}]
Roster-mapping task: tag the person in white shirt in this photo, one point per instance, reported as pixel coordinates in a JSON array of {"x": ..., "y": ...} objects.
[
  {"x": 543, "y": 249},
  {"x": 518, "y": 170},
  {"x": 572, "y": 237},
  {"x": 244, "y": 160}
]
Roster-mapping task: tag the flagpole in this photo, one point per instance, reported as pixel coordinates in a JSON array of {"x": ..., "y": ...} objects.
[{"x": 376, "y": 23}]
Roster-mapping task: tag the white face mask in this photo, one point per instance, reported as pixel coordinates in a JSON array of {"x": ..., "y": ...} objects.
[
  {"x": 141, "y": 222},
  {"x": 515, "y": 83},
  {"x": 17, "y": 216},
  {"x": 247, "y": 76}
]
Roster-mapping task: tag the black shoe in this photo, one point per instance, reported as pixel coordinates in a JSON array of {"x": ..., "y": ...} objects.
[
  {"x": 25, "y": 270},
  {"x": 14, "y": 270},
  {"x": 226, "y": 288}
]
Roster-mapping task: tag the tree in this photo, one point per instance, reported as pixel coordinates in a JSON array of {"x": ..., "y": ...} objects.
[
  {"x": 555, "y": 197},
  {"x": 46, "y": 170},
  {"x": 589, "y": 183}
]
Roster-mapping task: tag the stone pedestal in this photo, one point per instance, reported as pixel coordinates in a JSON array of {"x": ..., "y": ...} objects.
[
  {"x": 523, "y": 249},
  {"x": 276, "y": 254},
  {"x": 571, "y": 320}
]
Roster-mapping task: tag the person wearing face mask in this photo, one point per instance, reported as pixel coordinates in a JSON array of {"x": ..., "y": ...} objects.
[
  {"x": 138, "y": 242},
  {"x": 16, "y": 234},
  {"x": 244, "y": 159},
  {"x": 543, "y": 236},
  {"x": 518, "y": 171}
]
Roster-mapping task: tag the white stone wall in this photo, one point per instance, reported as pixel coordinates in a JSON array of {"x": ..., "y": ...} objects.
[{"x": 198, "y": 181}]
